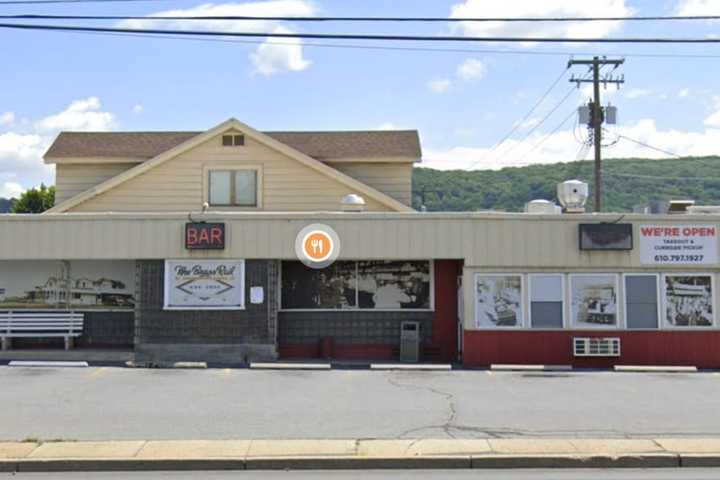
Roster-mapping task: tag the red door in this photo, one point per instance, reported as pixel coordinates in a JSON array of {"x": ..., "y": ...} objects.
[{"x": 445, "y": 322}]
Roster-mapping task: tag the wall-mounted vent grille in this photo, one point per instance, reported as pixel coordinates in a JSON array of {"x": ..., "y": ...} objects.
[
  {"x": 233, "y": 140},
  {"x": 596, "y": 347}
]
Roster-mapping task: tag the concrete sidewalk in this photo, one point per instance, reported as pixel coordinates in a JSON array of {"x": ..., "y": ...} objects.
[{"x": 358, "y": 454}]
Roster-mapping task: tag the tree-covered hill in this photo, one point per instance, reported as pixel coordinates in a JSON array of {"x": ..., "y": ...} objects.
[{"x": 627, "y": 182}]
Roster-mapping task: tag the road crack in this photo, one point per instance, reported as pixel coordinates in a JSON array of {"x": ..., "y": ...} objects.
[{"x": 448, "y": 424}]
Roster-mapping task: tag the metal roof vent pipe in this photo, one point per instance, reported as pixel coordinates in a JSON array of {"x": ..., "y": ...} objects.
[
  {"x": 353, "y": 203},
  {"x": 544, "y": 207},
  {"x": 572, "y": 195}
]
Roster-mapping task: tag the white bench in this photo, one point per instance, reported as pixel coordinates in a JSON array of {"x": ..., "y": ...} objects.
[{"x": 40, "y": 324}]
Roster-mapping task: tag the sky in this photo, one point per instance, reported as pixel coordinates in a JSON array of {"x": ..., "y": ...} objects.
[{"x": 463, "y": 98}]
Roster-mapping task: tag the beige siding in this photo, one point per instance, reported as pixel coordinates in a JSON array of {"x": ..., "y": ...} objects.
[
  {"x": 393, "y": 179},
  {"x": 71, "y": 179},
  {"x": 492, "y": 243},
  {"x": 178, "y": 184}
]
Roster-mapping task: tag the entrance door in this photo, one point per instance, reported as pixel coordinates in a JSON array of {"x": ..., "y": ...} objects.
[
  {"x": 445, "y": 321},
  {"x": 460, "y": 316}
]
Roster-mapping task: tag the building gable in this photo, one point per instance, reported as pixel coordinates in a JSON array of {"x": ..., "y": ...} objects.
[{"x": 176, "y": 180}]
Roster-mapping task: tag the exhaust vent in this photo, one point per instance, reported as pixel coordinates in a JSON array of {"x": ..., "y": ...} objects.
[{"x": 596, "y": 347}]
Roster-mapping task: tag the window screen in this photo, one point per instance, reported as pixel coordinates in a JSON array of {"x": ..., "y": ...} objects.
[
  {"x": 641, "y": 301},
  {"x": 246, "y": 187},
  {"x": 220, "y": 187},
  {"x": 233, "y": 188},
  {"x": 546, "y": 301}
]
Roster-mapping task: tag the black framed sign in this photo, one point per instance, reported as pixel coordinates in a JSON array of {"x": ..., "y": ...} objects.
[
  {"x": 606, "y": 236},
  {"x": 205, "y": 236}
]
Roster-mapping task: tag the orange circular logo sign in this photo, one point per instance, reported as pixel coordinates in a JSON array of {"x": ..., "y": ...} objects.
[{"x": 317, "y": 245}]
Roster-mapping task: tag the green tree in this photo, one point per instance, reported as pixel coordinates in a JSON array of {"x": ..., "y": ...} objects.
[{"x": 35, "y": 200}]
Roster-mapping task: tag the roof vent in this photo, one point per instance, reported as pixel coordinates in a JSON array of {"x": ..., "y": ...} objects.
[
  {"x": 352, "y": 203},
  {"x": 680, "y": 206},
  {"x": 545, "y": 207},
  {"x": 572, "y": 195},
  {"x": 706, "y": 209}
]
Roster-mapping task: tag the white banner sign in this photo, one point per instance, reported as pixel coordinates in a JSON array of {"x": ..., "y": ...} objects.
[
  {"x": 204, "y": 284},
  {"x": 678, "y": 244}
]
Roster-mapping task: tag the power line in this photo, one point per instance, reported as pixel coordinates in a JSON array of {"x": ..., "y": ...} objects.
[
  {"x": 519, "y": 123},
  {"x": 343, "y": 19},
  {"x": 548, "y": 135},
  {"x": 641, "y": 143},
  {"x": 335, "y": 36},
  {"x": 653, "y": 177},
  {"x": 538, "y": 124},
  {"x": 403, "y": 49}
]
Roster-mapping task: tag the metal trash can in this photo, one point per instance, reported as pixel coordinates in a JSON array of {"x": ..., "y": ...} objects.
[{"x": 410, "y": 342}]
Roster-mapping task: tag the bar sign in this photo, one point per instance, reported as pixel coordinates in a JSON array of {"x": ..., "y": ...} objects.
[{"x": 205, "y": 236}]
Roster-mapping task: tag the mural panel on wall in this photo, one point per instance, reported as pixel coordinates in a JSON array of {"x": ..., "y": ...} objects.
[
  {"x": 498, "y": 301},
  {"x": 689, "y": 300},
  {"x": 62, "y": 284},
  {"x": 594, "y": 301}
]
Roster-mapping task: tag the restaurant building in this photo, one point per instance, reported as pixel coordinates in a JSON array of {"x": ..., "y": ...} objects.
[{"x": 188, "y": 246}]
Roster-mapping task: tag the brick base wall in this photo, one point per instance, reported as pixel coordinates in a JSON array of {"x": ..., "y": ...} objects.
[{"x": 210, "y": 335}]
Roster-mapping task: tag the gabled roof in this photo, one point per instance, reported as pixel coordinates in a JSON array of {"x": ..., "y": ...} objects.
[
  {"x": 319, "y": 145},
  {"x": 231, "y": 124}
]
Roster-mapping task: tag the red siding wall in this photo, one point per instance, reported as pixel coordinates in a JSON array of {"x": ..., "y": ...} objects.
[
  {"x": 694, "y": 348},
  {"x": 444, "y": 328}
]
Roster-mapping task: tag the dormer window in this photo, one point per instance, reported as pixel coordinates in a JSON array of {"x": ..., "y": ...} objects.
[
  {"x": 233, "y": 140},
  {"x": 233, "y": 188}
]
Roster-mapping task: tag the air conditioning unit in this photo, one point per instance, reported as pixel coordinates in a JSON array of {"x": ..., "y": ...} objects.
[{"x": 596, "y": 347}]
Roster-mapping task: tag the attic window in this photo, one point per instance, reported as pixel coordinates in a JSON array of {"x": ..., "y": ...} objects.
[{"x": 233, "y": 140}]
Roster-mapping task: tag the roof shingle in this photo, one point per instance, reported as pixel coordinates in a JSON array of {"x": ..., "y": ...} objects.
[{"x": 319, "y": 145}]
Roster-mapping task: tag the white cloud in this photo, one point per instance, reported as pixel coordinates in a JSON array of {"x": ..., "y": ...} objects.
[
  {"x": 563, "y": 147},
  {"x": 471, "y": 69},
  {"x": 138, "y": 109},
  {"x": 80, "y": 115},
  {"x": 637, "y": 93},
  {"x": 390, "y": 126},
  {"x": 697, "y": 7},
  {"x": 684, "y": 93},
  {"x": 21, "y": 150},
  {"x": 275, "y": 57},
  {"x": 10, "y": 190},
  {"x": 440, "y": 85},
  {"x": 7, "y": 118},
  {"x": 272, "y": 56},
  {"x": 544, "y": 8}
]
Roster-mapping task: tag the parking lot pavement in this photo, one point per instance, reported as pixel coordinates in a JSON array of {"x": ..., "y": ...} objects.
[{"x": 118, "y": 403}]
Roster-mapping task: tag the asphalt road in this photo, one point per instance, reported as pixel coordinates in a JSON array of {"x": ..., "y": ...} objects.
[
  {"x": 118, "y": 403},
  {"x": 598, "y": 474}
]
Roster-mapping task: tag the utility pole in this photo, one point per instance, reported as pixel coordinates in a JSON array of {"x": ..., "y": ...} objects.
[{"x": 597, "y": 114}]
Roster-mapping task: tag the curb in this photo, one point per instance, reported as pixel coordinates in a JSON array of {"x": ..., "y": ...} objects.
[
  {"x": 655, "y": 369},
  {"x": 485, "y": 461},
  {"x": 289, "y": 366},
  {"x": 530, "y": 368},
  {"x": 47, "y": 363}
]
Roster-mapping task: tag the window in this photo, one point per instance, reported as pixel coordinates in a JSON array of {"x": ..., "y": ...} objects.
[
  {"x": 641, "y": 301},
  {"x": 593, "y": 301},
  {"x": 688, "y": 300},
  {"x": 233, "y": 140},
  {"x": 394, "y": 285},
  {"x": 498, "y": 301},
  {"x": 233, "y": 188},
  {"x": 333, "y": 287},
  {"x": 547, "y": 308},
  {"x": 370, "y": 285}
]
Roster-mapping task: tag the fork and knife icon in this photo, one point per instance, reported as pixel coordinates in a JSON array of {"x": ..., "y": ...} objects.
[{"x": 317, "y": 246}]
